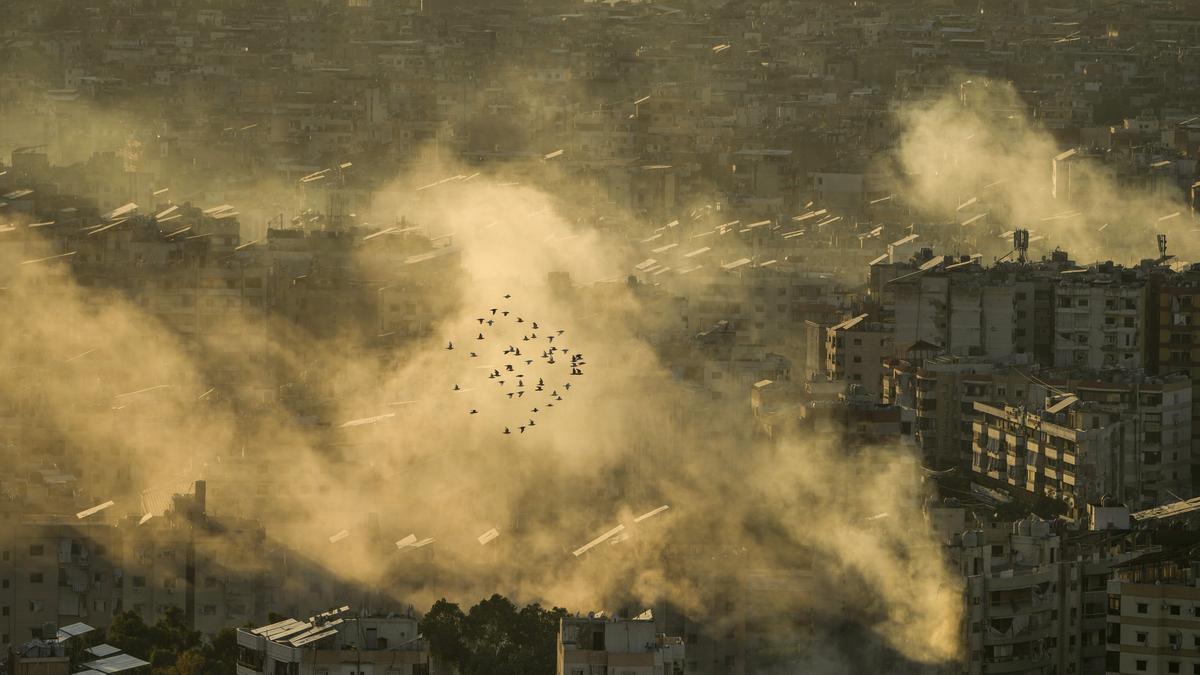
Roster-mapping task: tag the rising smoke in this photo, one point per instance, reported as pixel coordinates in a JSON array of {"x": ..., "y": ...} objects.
[
  {"x": 97, "y": 374},
  {"x": 976, "y": 152}
]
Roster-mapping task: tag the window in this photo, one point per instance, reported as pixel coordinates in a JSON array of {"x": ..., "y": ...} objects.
[
  {"x": 1172, "y": 666},
  {"x": 35, "y": 577},
  {"x": 1140, "y": 664},
  {"x": 1174, "y": 609},
  {"x": 1141, "y": 636},
  {"x": 139, "y": 582},
  {"x": 36, "y": 549},
  {"x": 1143, "y": 608}
]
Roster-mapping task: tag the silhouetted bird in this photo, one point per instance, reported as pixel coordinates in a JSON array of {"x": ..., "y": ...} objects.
[
  {"x": 473, "y": 411},
  {"x": 457, "y": 388},
  {"x": 449, "y": 346},
  {"x": 510, "y": 394},
  {"x": 532, "y": 423},
  {"x": 526, "y": 338},
  {"x": 534, "y": 410},
  {"x": 494, "y": 310},
  {"x": 554, "y": 393},
  {"x": 481, "y": 320},
  {"x": 535, "y": 325},
  {"x": 507, "y": 296},
  {"x": 539, "y": 388},
  {"x": 520, "y": 320},
  {"x": 561, "y": 332},
  {"x": 518, "y": 353},
  {"x": 490, "y": 322},
  {"x": 520, "y": 383},
  {"x": 540, "y": 382},
  {"x": 528, "y": 362},
  {"x": 557, "y": 398},
  {"x": 506, "y": 430},
  {"x": 502, "y": 383},
  {"x": 508, "y": 367},
  {"x": 567, "y": 386},
  {"x": 533, "y": 336},
  {"x": 522, "y": 429},
  {"x": 480, "y": 337},
  {"x": 474, "y": 355},
  {"x": 520, "y": 394},
  {"x": 549, "y": 405},
  {"x": 504, "y": 313}
]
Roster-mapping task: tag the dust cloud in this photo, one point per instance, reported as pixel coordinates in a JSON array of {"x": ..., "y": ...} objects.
[
  {"x": 977, "y": 152},
  {"x": 391, "y": 453}
]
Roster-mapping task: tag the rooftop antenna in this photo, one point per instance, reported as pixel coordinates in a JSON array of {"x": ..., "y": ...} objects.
[
  {"x": 1021, "y": 243},
  {"x": 1162, "y": 247}
]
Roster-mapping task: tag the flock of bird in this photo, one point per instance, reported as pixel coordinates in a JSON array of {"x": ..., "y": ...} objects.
[{"x": 518, "y": 358}]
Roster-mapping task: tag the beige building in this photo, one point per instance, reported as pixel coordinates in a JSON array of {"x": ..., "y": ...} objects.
[
  {"x": 1154, "y": 615},
  {"x": 334, "y": 643},
  {"x": 1067, "y": 452},
  {"x": 854, "y": 352},
  {"x": 596, "y": 645}
]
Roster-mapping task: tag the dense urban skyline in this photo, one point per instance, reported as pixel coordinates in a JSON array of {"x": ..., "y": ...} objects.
[{"x": 536, "y": 336}]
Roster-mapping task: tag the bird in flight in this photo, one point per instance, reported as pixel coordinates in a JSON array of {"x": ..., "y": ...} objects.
[
  {"x": 449, "y": 346},
  {"x": 534, "y": 410},
  {"x": 457, "y": 388},
  {"x": 561, "y": 332},
  {"x": 510, "y": 394},
  {"x": 473, "y": 411},
  {"x": 528, "y": 361},
  {"x": 520, "y": 320},
  {"x": 507, "y": 296},
  {"x": 522, "y": 429},
  {"x": 567, "y": 386},
  {"x": 506, "y": 430},
  {"x": 531, "y": 423},
  {"x": 474, "y": 355},
  {"x": 480, "y": 337},
  {"x": 504, "y": 313},
  {"x": 535, "y": 325},
  {"x": 481, "y": 320},
  {"x": 494, "y": 310}
]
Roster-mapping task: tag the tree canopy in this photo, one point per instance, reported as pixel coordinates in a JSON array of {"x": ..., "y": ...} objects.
[
  {"x": 171, "y": 647},
  {"x": 494, "y": 637}
]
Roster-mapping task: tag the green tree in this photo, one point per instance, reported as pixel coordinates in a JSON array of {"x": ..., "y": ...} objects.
[
  {"x": 494, "y": 637},
  {"x": 442, "y": 626}
]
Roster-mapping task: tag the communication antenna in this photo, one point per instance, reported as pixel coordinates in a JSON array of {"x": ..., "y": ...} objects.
[
  {"x": 1162, "y": 246},
  {"x": 1021, "y": 243}
]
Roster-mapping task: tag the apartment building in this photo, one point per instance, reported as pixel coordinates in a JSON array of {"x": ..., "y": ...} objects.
[
  {"x": 1101, "y": 318},
  {"x": 1067, "y": 452},
  {"x": 854, "y": 353},
  {"x": 333, "y": 643},
  {"x": 1035, "y": 598},
  {"x": 595, "y": 645},
  {"x": 56, "y": 571},
  {"x": 1154, "y": 614}
]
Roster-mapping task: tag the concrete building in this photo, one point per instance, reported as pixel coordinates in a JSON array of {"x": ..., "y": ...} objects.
[
  {"x": 854, "y": 352},
  {"x": 334, "y": 643},
  {"x": 1067, "y": 452},
  {"x": 1100, "y": 319},
  {"x": 1154, "y": 614},
  {"x": 595, "y": 645}
]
